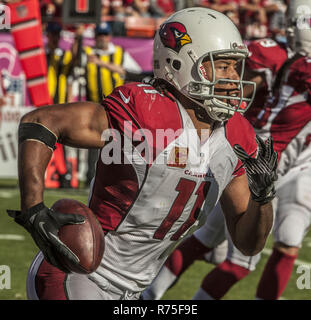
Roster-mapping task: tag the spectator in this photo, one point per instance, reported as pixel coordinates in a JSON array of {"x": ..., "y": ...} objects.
[
  {"x": 51, "y": 10},
  {"x": 118, "y": 10},
  {"x": 144, "y": 9},
  {"x": 163, "y": 7},
  {"x": 227, "y": 7},
  {"x": 105, "y": 8},
  {"x": 113, "y": 13},
  {"x": 220, "y": 5},
  {"x": 181, "y": 4},
  {"x": 253, "y": 18},
  {"x": 106, "y": 68},
  {"x": 59, "y": 64},
  {"x": 276, "y": 14}
]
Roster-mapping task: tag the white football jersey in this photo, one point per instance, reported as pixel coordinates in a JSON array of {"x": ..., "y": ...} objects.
[{"x": 152, "y": 202}]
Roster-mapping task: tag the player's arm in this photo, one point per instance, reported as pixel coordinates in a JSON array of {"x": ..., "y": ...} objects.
[
  {"x": 74, "y": 124},
  {"x": 248, "y": 221},
  {"x": 246, "y": 201}
]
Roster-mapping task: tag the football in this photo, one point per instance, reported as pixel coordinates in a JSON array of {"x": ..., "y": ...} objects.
[{"x": 86, "y": 240}]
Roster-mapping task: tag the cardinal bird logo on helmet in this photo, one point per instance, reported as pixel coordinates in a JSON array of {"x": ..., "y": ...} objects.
[{"x": 174, "y": 36}]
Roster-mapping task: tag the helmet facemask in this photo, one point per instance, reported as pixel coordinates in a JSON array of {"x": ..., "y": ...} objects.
[{"x": 221, "y": 106}]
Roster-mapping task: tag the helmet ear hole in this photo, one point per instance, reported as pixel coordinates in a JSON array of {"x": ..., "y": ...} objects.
[
  {"x": 176, "y": 65},
  {"x": 168, "y": 60}
]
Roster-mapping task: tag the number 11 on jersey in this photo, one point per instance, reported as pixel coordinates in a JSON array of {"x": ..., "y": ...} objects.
[{"x": 185, "y": 188}]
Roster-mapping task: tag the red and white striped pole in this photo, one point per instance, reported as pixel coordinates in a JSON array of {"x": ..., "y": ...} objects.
[{"x": 27, "y": 33}]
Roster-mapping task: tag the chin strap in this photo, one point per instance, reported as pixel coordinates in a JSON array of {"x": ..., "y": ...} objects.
[{"x": 215, "y": 114}]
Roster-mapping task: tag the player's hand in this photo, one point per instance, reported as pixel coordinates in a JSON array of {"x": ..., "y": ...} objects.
[
  {"x": 260, "y": 171},
  {"x": 43, "y": 225}
]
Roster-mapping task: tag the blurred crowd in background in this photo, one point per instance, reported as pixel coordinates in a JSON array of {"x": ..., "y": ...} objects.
[{"x": 255, "y": 18}]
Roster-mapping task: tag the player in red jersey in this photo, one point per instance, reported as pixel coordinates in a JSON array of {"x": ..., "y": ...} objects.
[
  {"x": 284, "y": 84},
  {"x": 286, "y": 117},
  {"x": 266, "y": 57},
  {"x": 167, "y": 151}
]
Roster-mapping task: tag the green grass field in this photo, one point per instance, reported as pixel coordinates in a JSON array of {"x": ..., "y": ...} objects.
[{"x": 18, "y": 254}]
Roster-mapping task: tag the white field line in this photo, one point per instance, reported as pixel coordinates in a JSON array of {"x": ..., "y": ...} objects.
[
  {"x": 7, "y": 194},
  {"x": 12, "y": 237},
  {"x": 66, "y": 193}
]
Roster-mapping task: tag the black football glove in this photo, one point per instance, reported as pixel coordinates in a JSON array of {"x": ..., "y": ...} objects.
[
  {"x": 260, "y": 171},
  {"x": 43, "y": 225}
]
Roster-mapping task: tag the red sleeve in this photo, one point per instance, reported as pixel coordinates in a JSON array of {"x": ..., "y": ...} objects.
[
  {"x": 137, "y": 111},
  {"x": 239, "y": 131},
  {"x": 121, "y": 111},
  {"x": 144, "y": 106},
  {"x": 265, "y": 54},
  {"x": 300, "y": 75}
]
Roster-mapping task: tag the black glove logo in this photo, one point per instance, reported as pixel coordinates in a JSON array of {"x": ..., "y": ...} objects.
[{"x": 43, "y": 225}]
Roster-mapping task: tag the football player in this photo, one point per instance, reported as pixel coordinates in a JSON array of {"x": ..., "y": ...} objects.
[
  {"x": 283, "y": 76},
  {"x": 287, "y": 118},
  {"x": 149, "y": 196}
]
